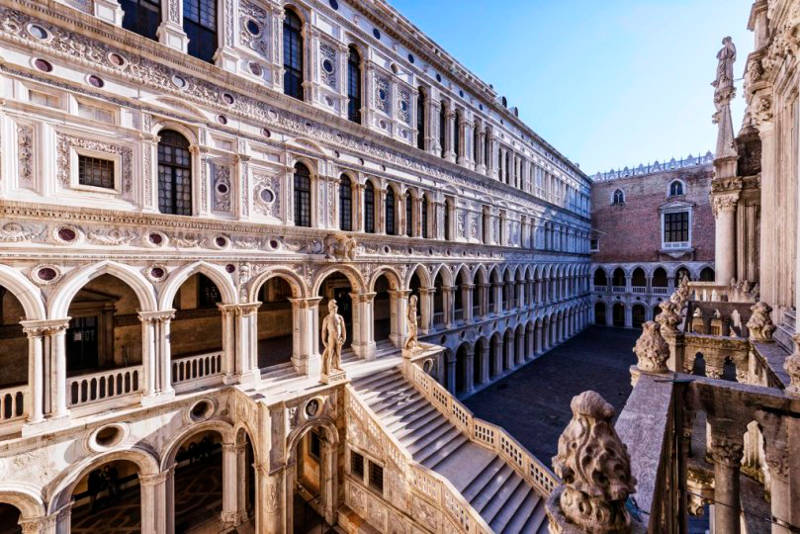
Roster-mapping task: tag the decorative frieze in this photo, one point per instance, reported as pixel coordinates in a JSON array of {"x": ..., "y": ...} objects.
[{"x": 25, "y": 154}]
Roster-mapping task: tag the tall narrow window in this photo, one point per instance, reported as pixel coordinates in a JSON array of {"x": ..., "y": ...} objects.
[
  {"x": 421, "y": 119},
  {"x": 675, "y": 188},
  {"x": 200, "y": 25},
  {"x": 443, "y": 128},
  {"x": 354, "y": 85},
  {"x": 457, "y": 136},
  {"x": 487, "y": 150},
  {"x": 174, "y": 174},
  {"x": 141, "y": 16},
  {"x": 409, "y": 215},
  {"x": 447, "y": 207},
  {"x": 475, "y": 145},
  {"x": 424, "y": 222},
  {"x": 369, "y": 208},
  {"x": 345, "y": 203},
  {"x": 302, "y": 195},
  {"x": 292, "y": 55},
  {"x": 619, "y": 198},
  {"x": 390, "y": 226}
]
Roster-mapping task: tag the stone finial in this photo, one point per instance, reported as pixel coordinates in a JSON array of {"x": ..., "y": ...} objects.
[
  {"x": 594, "y": 466},
  {"x": 668, "y": 318},
  {"x": 760, "y": 323},
  {"x": 792, "y": 367},
  {"x": 651, "y": 350}
]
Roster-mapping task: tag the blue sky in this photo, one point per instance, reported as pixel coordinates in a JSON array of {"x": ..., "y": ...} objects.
[{"x": 609, "y": 84}]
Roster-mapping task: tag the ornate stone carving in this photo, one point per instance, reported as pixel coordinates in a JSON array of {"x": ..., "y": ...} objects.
[
  {"x": 792, "y": 367},
  {"x": 340, "y": 247},
  {"x": 267, "y": 195},
  {"x": 668, "y": 318},
  {"x": 333, "y": 338},
  {"x": 412, "y": 343},
  {"x": 66, "y": 142},
  {"x": 760, "y": 323},
  {"x": 724, "y": 448},
  {"x": 328, "y": 69},
  {"x": 221, "y": 200},
  {"x": 13, "y": 232},
  {"x": 382, "y": 95},
  {"x": 25, "y": 154},
  {"x": 651, "y": 350},
  {"x": 595, "y": 467}
]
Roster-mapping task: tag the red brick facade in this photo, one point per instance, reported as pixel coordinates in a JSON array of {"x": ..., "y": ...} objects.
[{"x": 632, "y": 231}]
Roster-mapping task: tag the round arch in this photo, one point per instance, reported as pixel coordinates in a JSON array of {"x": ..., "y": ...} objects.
[
  {"x": 144, "y": 460},
  {"x": 25, "y": 292},
  {"x": 297, "y": 285},
  {"x": 27, "y": 500},
  {"x": 171, "y": 450},
  {"x": 214, "y": 272},
  {"x": 391, "y": 275},
  {"x": 81, "y": 276},
  {"x": 352, "y": 275}
]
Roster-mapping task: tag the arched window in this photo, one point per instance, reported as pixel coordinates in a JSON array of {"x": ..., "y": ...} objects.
[
  {"x": 421, "y": 119},
  {"x": 619, "y": 198},
  {"x": 141, "y": 16},
  {"x": 302, "y": 195},
  {"x": 675, "y": 188},
  {"x": 447, "y": 207},
  {"x": 443, "y": 128},
  {"x": 292, "y": 55},
  {"x": 345, "y": 203},
  {"x": 369, "y": 208},
  {"x": 354, "y": 85},
  {"x": 200, "y": 25},
  {"x": 390, "y": 226},
  {"x": 424, "y": 217},
  {"x": 174, "y": 174},
  {"x": 409, "y": 215}
]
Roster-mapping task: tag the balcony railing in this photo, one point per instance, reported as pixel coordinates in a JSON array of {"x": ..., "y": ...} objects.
[
  {"x": 198, "y": 367},
  {"x": 660, "y": 290},
  {"x": 639, "y": 289},
  {"x": 104, "y": 385},
  {"x": 618, "y": 289},
  {"x": 12, "y": 403}
]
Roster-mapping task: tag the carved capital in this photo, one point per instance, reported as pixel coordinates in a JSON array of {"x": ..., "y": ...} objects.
[
  {"x": 44, "y": 327},
  {"x": 726, "y": 443},
  {"x": 724, "y": 203}
]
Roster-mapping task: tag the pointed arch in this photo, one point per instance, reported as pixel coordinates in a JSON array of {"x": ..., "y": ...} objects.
[
  {"x": 81, "y": 276},
  {"x": 423, "y": 275}
]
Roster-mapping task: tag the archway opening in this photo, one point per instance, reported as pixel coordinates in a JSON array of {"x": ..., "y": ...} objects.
[
  {"x": 103, "y": 342},
  {"x": 656, "y": 311},
  {"x": 496, "y": 356},
  {"x": 382, "y": 309},
  {"x": 494, "y": 284},
  {"x": 196, "y": 331},
  {"x": 312, "y": 479},
  {"x": 14, "y": 348},
  {"x": 660, "y": 277},
  {"x": 508, "y": 350},
  {"x": 107, "y": 499},
  {"x": 461, "y": 369},
  {"x": 438, "y": 301},
  {"x": 337, "y": 286},
  {"x": 275, "y": 323},
  {"x": 600, "y": 313},
  {"x": 600, "y": 280},
  {"x": 637, "y": 315},
  {"x": 682, "y": 272},
  {"x": 638, "y": 280},
  {"x": 477, "y": 361},
  {"x": 198, "y": 481},
  {"x": 459, "y": 294},
  {"x": 618, "y": 278},
  {"x": 509, "y": 302},
  {"x": 246, "y": 477},
  {"x": 9, "y": 519},
  {"x": 618, "y": 314},
  {"x": 707, "y": 274}
]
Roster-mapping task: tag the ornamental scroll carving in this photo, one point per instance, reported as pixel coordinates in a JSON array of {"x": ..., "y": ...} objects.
[
  {"x": 25, "y": 154},
  {"x": 652, "y": 352},
  {"x": 595, "y": 467},
  {"x": 67, "y": 142}
]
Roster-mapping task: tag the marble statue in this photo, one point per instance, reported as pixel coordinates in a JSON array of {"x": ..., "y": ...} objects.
[
  {"x": 334, "y": 334},
  {"x": 412, "y": 343},
  {"x": 726, "y": 57},
  {"x": 760, "y": 323}
]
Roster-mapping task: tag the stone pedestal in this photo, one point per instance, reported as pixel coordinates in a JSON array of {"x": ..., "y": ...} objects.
[{"x": 334, "y": 377}]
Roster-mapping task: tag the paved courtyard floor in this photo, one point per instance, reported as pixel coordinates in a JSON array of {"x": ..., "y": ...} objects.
[{"x": 533, "y": 403}]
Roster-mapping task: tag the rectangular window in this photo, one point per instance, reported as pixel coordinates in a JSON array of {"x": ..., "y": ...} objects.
[
  {"x": 95, "y": 172},
  {"x": 375, "y": 477},
  {"x": 676, "y": 227},
  {"x": 593, "y": 245},
  {"x": 314, "y": 445},
  {"x": 356, "y": 465}
]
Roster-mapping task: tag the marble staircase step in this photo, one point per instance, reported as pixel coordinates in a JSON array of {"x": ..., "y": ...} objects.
[
  {"x": 537, "y": 522},
  {"x": 516, "y": 522},
  {"x": 492, "y": 486},
  {"x": 430, "y": 439},
  {"x": 509, "y": 507}
]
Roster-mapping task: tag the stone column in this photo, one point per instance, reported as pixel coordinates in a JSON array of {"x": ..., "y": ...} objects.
[
  {"x": 153, "y": 499},
  {"x": 425, "y": 308},
  {"x": 108, "y": 11},
  {"x": 156, "y": 355},
  {"x": 450, "y": 382},
  {"x": 225, "y": 56},
  {"x": 466, "y": 302},
  {"x": 230, "y": 486},
  {"x": 776, "y": 451},
  {"x": 228, "y": 313},
  {"x": 34, "y": 402},
  {"x": 530, "y": 343},
  {"x": 484, "y": 304},
  {"x": 628, "y": 317},
  {"x": 447, "y": 306},
  {"x": 484, "y": 362},
  {"x": 724, "y": 207},
  {"x": 363, "y": 343},
  {"x": 497, "y": 362},
  {"x": 509, "y": 353},
  {"x": 520, "y": 350},
  {"x": 491, "y": 164},
  {"x": 469, "y": 369},
  {"x": 450, "y": 124},
  {"x": 538, "y": 343},
  {"x": 480, "y": 157},
  {"x": 726, "y": 448},
  {"x": 306, "y": 358},
  {"x": 497, "y": 287}
]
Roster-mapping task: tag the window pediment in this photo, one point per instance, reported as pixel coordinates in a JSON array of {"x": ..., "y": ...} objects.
[{"x": 676, "y": 205}]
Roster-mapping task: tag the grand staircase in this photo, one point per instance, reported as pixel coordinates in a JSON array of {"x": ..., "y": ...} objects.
[{"x": 489, "y": 483}]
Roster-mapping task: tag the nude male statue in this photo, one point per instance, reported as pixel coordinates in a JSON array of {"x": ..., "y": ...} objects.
[{"x": 334, "y": 334}]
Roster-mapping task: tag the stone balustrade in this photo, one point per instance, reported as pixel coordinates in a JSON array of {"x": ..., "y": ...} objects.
[
  {"x": 496, "y": 438},
  {"x": 193, "y": 368},
  {"x": 12, "y": 403},
  {"x": 718, "y": 292},
  {"x": 104, "y": 385}
]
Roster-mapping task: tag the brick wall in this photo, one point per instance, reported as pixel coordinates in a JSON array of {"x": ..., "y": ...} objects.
[{"x": 632, "y": 232}]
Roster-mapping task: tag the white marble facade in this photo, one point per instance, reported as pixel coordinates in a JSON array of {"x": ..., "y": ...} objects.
[{"x": 489, "y": 225}]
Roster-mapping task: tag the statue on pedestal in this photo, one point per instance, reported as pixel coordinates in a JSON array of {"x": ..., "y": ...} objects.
[
  {"x": 724, "y": 92},
  {"x": 412, "y": 343},
  {"x": 334, "y": 334}
]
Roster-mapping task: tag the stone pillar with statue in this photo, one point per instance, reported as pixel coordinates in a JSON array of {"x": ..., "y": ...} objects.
[{"x": 334, "y": 334}]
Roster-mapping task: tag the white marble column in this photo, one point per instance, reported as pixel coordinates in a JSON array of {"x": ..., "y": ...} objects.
[
  {"x": 726, "y": 448},
  {"x": 230, "y": 486},
  {"x": 156, "y": 355},
  {"x": 398, "y": 304},
  {"x": 724, "y": 207},
  {"x": 363, "y": 343},
  {"x": 152, "y": 494},
  {"x": 306, "y": 358}
]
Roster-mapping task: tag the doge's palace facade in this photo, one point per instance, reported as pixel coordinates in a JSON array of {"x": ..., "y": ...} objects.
[{"x": 184, "y": 186}]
